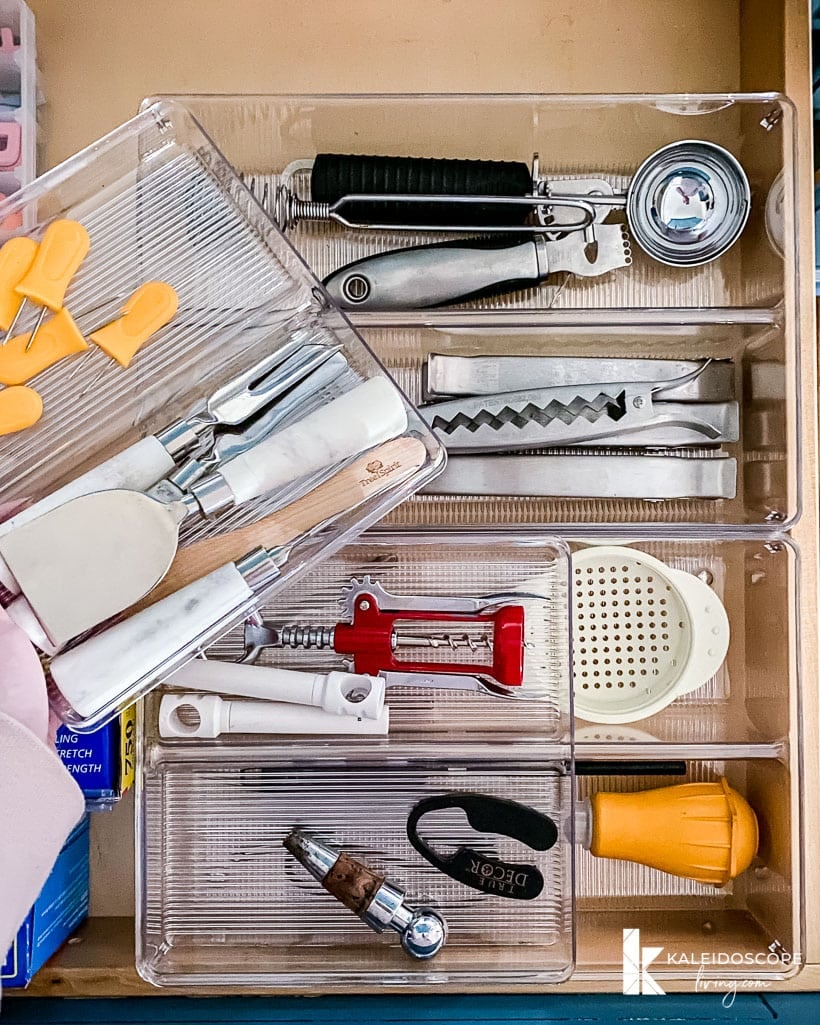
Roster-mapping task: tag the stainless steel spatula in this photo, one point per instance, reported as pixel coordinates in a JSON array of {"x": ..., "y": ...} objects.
[{"x": 91, "y": 558}]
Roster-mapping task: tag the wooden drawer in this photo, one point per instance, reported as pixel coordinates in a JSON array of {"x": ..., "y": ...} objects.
[{"x": 266, "y": 46}]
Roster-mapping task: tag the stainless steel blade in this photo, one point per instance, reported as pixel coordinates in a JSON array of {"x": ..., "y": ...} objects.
[
  {"x": 258, "y": 386},
  {"x": 578, "y": 415},
  {"x": 89, "y": 559},
  {"x": 648, "y": 477},
  {"x": 570, "y": 254},
  {"x": 486, "y": 375}
]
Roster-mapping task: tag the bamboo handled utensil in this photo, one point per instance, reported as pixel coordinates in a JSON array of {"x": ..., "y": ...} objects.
[
  {"x": 93, "y": 557},
  {"x": 362, "y": 479}
]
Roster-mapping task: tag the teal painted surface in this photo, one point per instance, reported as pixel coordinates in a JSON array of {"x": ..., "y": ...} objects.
[{"x": 791, "y": 1009}]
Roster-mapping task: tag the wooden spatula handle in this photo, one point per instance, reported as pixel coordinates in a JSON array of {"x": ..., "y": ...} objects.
[{"x": 374, "y": 472}]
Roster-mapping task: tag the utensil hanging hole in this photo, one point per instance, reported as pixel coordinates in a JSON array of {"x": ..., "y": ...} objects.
[
  {"x": 357, "y": 692},
  {"x": 186, "y": 720}
]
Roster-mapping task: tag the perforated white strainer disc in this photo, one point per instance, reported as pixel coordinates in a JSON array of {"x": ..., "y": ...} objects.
[{"x": 643, "y": 634}]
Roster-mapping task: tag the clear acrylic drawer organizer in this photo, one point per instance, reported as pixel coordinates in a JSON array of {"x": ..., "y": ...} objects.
[
  {"x": 221, "y": 902},
  {"x": 741, "y": 306},
  {"x": 161, "y": 203},
  {"x": 744, "y": 723}
]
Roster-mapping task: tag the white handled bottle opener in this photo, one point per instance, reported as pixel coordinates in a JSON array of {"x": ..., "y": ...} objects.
[
  {"x": 207, "y": 716},
  {"x": 337, "y": 693}
]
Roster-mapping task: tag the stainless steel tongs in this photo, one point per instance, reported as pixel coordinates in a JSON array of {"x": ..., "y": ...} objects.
[{"x": 631, "y": 414}]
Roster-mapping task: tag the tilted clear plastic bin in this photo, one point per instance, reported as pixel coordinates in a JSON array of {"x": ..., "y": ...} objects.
[{"x": 160, "y": 203}]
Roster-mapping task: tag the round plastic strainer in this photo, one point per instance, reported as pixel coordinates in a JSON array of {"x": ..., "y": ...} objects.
[{"x": 643, "y": 634}]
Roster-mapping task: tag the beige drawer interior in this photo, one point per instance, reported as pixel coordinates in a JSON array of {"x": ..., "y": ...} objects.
[{"x": 562, "y": 48}]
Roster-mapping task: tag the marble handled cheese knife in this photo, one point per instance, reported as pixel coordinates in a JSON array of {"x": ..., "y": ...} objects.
[
  {"x": 380, "y": 469},
  {"x": 89, "y": 559}
]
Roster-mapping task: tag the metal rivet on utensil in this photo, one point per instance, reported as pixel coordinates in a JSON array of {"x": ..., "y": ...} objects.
[{"x": 356, "y": 288}]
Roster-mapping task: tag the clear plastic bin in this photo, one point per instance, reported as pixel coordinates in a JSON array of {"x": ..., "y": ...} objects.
[
  {"x": 740, "y": 306},
  {"x": 603, "y": 136},
  {"x": 18, "y": 100},
  {"x": 229, "y": 905},
  {"x": 160, "y": 203}
]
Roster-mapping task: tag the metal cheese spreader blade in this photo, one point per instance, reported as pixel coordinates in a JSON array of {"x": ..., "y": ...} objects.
[{"x": 86, "y": 560}]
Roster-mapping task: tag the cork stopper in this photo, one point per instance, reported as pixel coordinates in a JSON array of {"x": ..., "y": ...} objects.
[{"x": 353, "y": 883}]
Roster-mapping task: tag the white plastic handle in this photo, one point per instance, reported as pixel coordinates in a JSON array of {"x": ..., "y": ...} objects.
[
  {"x": 208, "y": 716},
  {"x": 123, "y": 662},
  {"x": 337, "y": 693},
  {"x": 710, "y": 630},
  {"x": 366, "y": 416},
  {"x": 134, "y": 469}
]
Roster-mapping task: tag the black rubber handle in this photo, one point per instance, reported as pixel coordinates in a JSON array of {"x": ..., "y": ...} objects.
[
  {"x": 335, "y": 175},
  {"x": 489, "y": 815},
  {"x": 667, "y": 767}
]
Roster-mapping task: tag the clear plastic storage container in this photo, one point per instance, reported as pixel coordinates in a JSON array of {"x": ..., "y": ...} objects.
[
  {"x": 207, "y": 915},
  {"x": 738, "y": 306},
  {"x": 18, "y": 99},
  {"x": 252, "y": 352},
  {"x": 211, "y": 912},
  {"x": 740, "y": 724}
]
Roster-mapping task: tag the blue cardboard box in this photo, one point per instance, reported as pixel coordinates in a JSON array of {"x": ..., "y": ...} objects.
[
  {"x": 101, "y": 762},
  {"x": 60, "y": 908}
]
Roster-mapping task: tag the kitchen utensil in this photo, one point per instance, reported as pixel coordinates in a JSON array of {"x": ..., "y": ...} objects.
[
  {"x": 150, "y": 308},
  {"x": 379, "y": 904},
  {"x": 336, "y": 693},
  {"x": 58, "y": 337},
  {"x": 643, "y": 634},
  {"x": 591, "y": 473},
  {"x": 144, "y": 463},
  {"x": 63, "y": 248},
  {"x": 686, "y": 204},
  {"x": 494, "y": 624},
  {"x": 91, "y": 558},
  {"x": 16, "y": 258},
  {"x": 379, "y": 469},
  {"x": 20, "y": 407},
  {"x": 320, "y": 370},
  {"x": 618, "y": 414},
  {"x": 702, "y": 831},
  {"x": 209, "y": 716},
  {"x": 444, "y": 376},
  {"x": 519, "y": 881},
  {"x": 667, "y": 767},
  {"x": 452, "y": 272},
  {"x": 497, "y": 659},
  {"x": 138, "y": 652}
]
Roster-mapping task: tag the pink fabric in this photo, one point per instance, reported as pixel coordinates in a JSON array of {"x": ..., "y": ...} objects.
[
  {"x": 22, "y": 681},
  {"x": 39, "y": 800},
  {"x": 40, "y": 804}
]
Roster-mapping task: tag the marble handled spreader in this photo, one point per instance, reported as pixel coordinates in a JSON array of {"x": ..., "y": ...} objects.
[{"x": 96, "y": 555}]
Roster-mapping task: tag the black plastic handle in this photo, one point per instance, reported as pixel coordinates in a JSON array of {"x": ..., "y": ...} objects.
[
  {"x": 489, "y": 815},
  {"x": 335, "y": 175}
]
